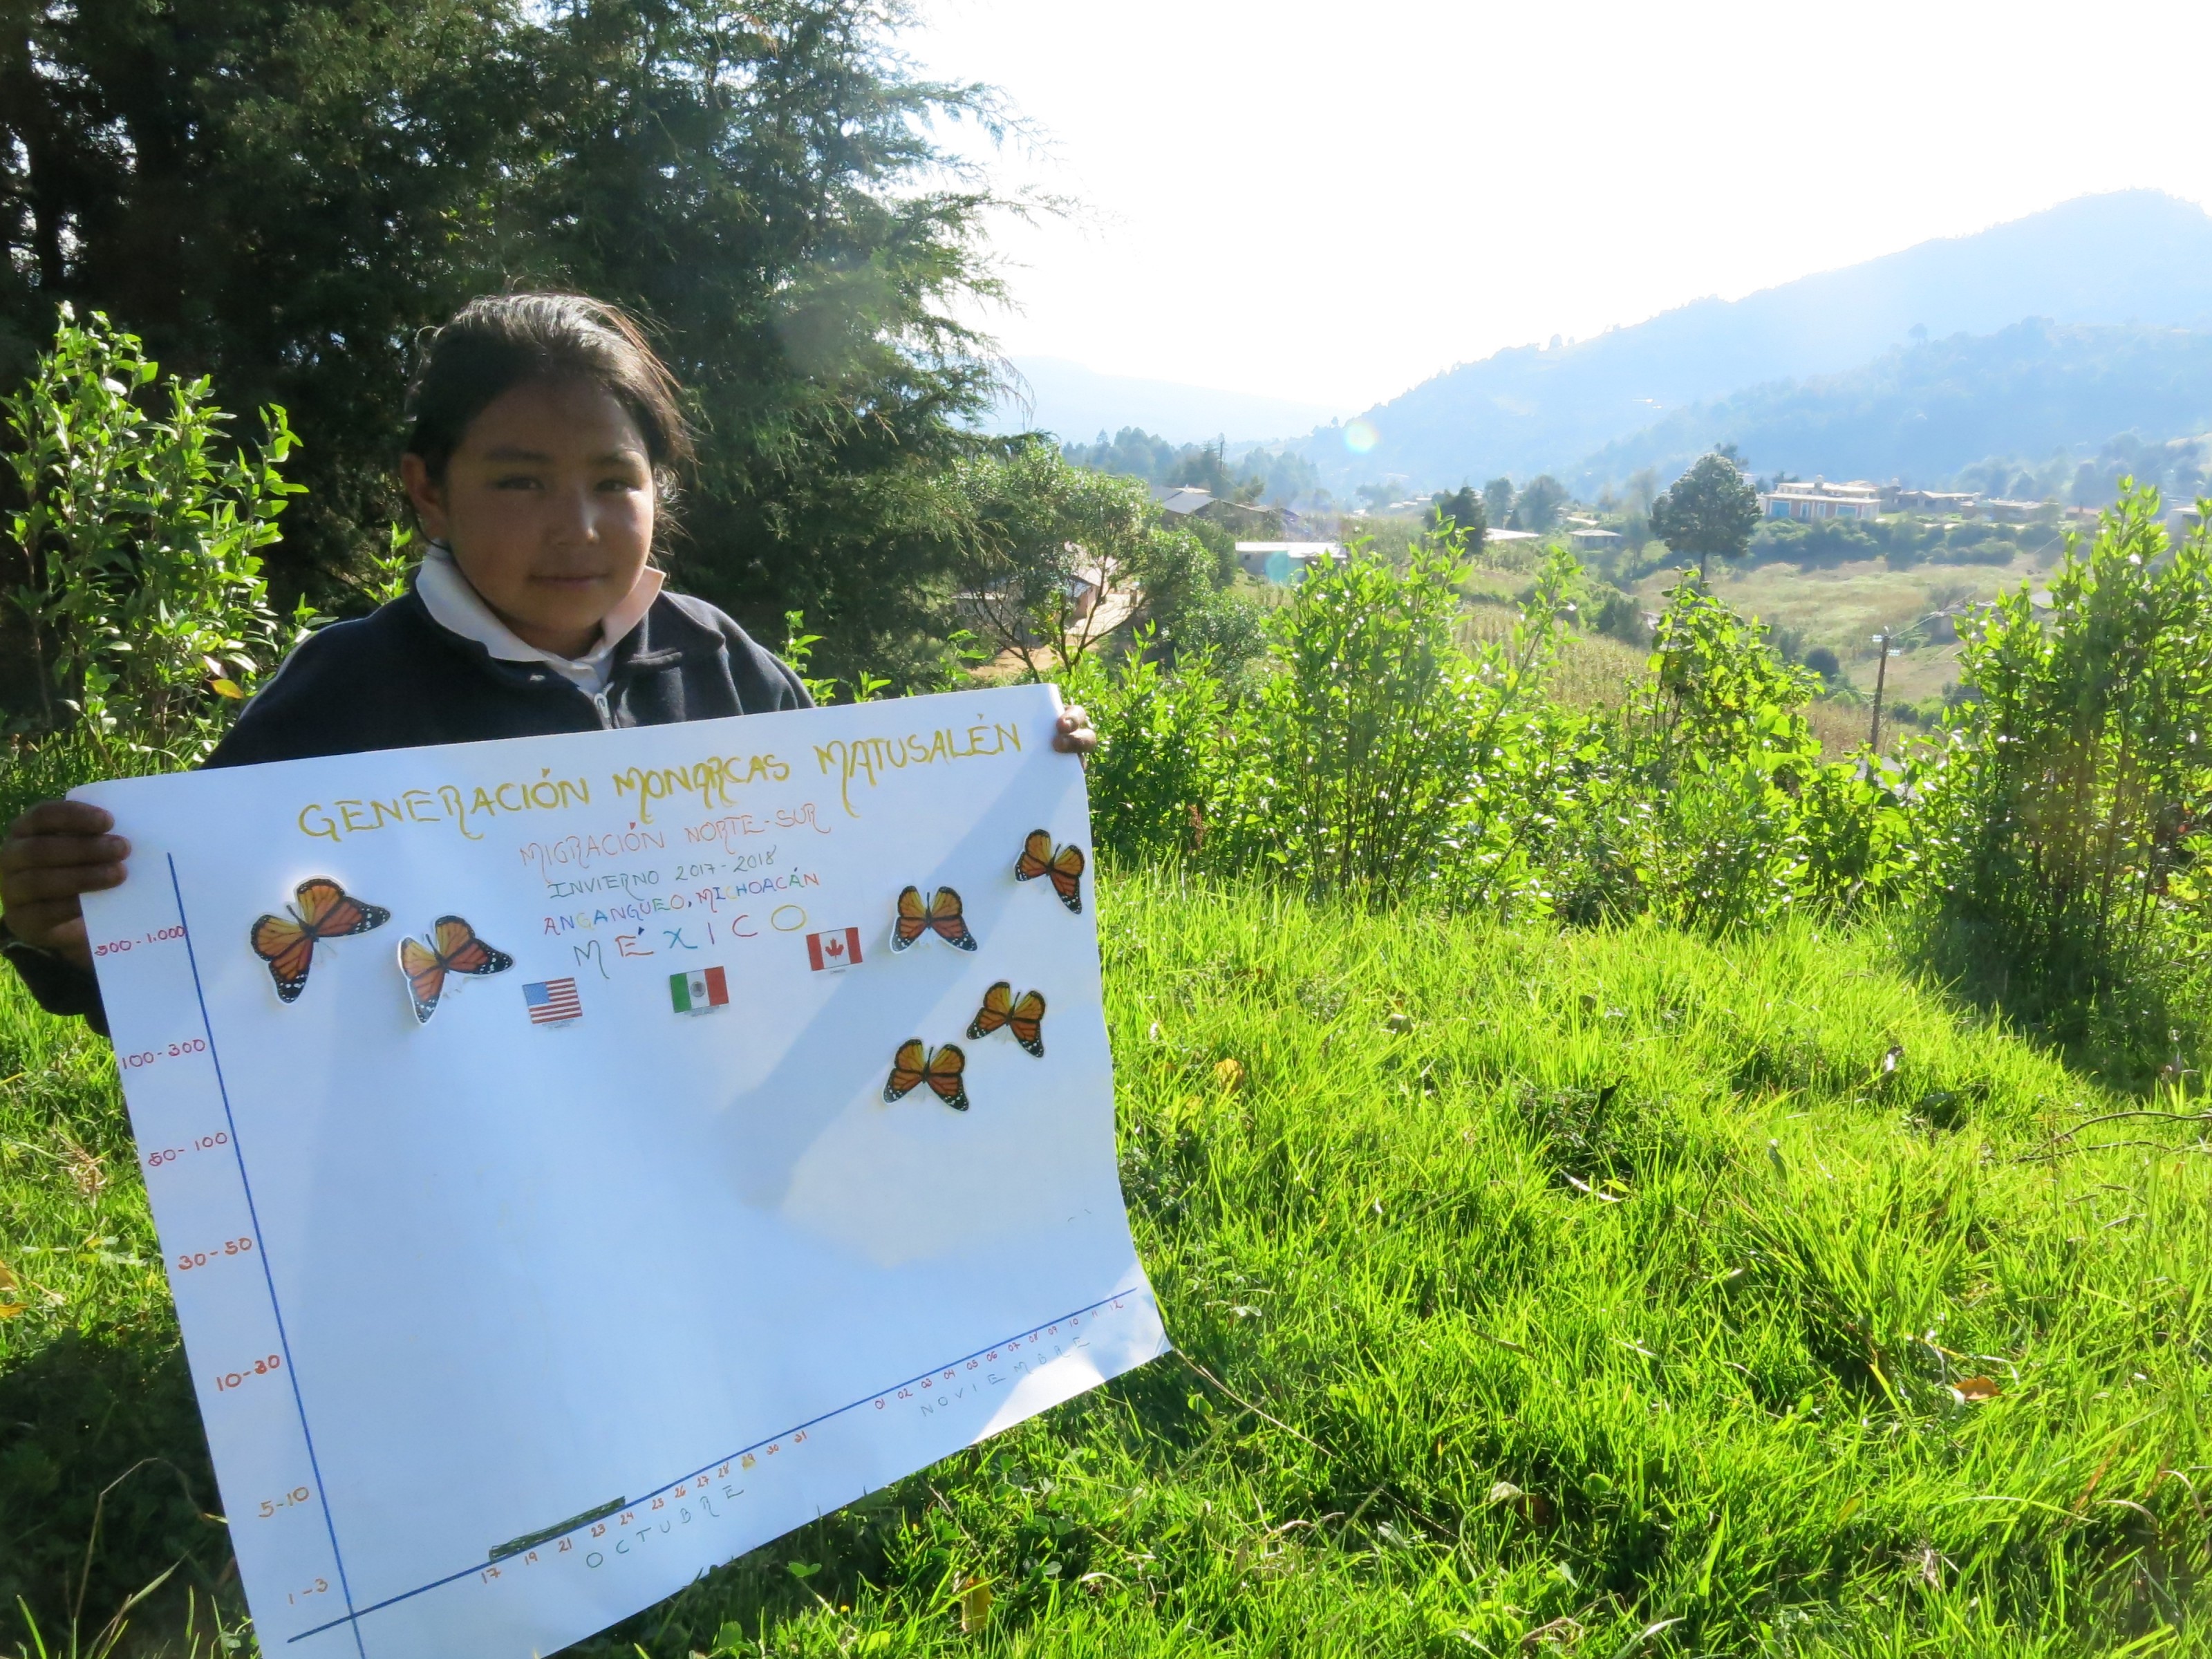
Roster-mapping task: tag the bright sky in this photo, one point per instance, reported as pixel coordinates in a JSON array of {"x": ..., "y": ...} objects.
[{"x": 1332, "y": 202}]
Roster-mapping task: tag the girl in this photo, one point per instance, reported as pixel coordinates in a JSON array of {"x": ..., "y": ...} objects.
[{"x": 546, "y": 433}]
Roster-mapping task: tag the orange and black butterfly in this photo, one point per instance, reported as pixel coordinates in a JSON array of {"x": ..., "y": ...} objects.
[
  {"x": 1022, "y": 1015},
  {"x": 452, "y": 947},
  {"x": 1064, "y": 865},
  {"x": 942, "y": 1069},
  {"x": 939, "y": 916},
  {"x": 324, "y": 910}
]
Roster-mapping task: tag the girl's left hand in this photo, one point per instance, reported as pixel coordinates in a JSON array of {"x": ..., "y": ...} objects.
[{"x": 1076, "y": 735}]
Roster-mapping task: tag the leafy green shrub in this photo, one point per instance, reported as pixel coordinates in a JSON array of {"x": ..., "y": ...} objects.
[
  {"x": 1616, "y": 615},
  {"x": 1745, "y": 820},
  {"x": 46, "y": 768},
  {"x": 1162, "y": 782},
  {"x": 1379, "y": 761},
  {"x": 1226, "y": 626},
  {"x": 1817, "y": 542},
  {"x": 1859, "y": 841},
  {"x": 1708, "y": 754},
  {"x": 1718, "y": 695},
  {"x": 1977, "y": 544},
  {"x": 1368, "y": 727},
  {"x": 1901, "y": 543},
  {"x": 135, "y": 546},
  {"x": 2069, "y": 808},
  {"x": 1536, "y": 761},
  {"x": 1373, "y": 759}
]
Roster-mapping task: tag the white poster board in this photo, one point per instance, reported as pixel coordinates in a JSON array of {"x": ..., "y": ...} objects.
[{"x": 511, "y": 1318}]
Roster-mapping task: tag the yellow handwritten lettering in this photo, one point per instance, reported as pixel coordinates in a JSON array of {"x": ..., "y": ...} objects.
[
  {"x": 713, "y": 780},
  {"x": 866, "y": 759}
]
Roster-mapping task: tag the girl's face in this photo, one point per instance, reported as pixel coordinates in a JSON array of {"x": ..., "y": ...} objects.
[{"x": 547, "y": 504}]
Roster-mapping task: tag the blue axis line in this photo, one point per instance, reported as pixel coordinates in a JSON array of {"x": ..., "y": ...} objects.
[
  {"x": 475, "y": 1567},
  {"x": 261, "y": 1248}
]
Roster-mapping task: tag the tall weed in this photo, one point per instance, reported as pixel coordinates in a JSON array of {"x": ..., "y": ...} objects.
[
  {"x": 1369, "y": 726},
  {"x": 136, "y": 547},
  {"x": 2072, "y": 793},
  {"x": 2066, "y": 811},
  {"x": 1717, "y": 811}
]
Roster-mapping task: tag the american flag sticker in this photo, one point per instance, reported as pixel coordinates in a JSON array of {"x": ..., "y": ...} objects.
[
  {"x": 552, "y": 1002},
  {"x": 828, "y": 952}
]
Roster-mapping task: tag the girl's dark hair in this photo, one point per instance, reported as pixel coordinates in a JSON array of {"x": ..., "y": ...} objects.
[{"x": 501, "y": 341}]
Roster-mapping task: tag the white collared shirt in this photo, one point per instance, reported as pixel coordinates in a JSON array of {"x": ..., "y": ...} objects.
[{"x": 455, "y": 605}]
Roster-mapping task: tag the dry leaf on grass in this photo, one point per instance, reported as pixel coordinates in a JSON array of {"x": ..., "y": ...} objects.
[
  {"x": 974, "y": 1605},
  {"x": 1926, "y": 1564},
  {"x": 1563, "y": 1630},
  {"x": 86, "y": 1173},
  {"x": 10, "y": 1307},
  {"x": 1975, "y": 1390},
  {"x": 1533, "y": 1507}
]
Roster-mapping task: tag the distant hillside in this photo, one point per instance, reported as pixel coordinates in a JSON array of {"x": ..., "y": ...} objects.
[
  {"x": 2138, "y": 257},
  {"x": 1079, "y": 404},
  {"x": 1922, "y": 413}
]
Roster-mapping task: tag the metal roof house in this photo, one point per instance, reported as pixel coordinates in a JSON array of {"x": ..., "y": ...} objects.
[{"x": 1181, "y": 499}]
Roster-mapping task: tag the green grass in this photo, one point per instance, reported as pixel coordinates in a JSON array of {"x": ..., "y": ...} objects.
[{"x": 1597, "y": 1292}]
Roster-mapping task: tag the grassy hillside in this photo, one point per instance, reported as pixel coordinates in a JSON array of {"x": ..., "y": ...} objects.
[
  {"x": 1611, "y": 1292},
  {"x": 1843, "y": 605}
]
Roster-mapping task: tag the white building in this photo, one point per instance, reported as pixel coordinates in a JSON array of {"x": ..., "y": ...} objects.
[
  {"x": 1284, "y": 563},
  {"x": 1822, "y": 500}
]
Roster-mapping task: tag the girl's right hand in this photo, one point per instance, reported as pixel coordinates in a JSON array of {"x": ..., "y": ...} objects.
[{"x": 54, "y": 852}]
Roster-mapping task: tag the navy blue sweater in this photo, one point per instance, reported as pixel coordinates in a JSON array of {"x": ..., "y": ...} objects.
[{"x": 397, "y": 679}]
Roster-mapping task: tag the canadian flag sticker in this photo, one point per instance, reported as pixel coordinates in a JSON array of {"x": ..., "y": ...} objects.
[{"x": 831, "y": 952}]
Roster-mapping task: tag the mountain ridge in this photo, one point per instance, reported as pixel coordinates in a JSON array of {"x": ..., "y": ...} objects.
[
  {"x": 2138, "y": 258},
  {"x": 1073, "y": 402},
  {"x": 1919, "y": 414}
]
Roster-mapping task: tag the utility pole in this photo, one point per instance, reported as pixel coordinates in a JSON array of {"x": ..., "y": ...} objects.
[{"x": 1880, "y": 674}]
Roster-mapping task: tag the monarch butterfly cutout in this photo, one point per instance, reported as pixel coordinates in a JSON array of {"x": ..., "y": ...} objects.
[
  {"x": 942, "y": 1069},
  {"x": 1022, "y": 1015},
  {"x": 1064, "y": 865},
  {"x": 453, "y": 948},
  {"x": 941, "y": 915},
  {"x": 324, "y": 910}
]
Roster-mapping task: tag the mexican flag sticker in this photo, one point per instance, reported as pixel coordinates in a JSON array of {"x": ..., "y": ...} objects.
[{"x": 698, "y": 992}]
